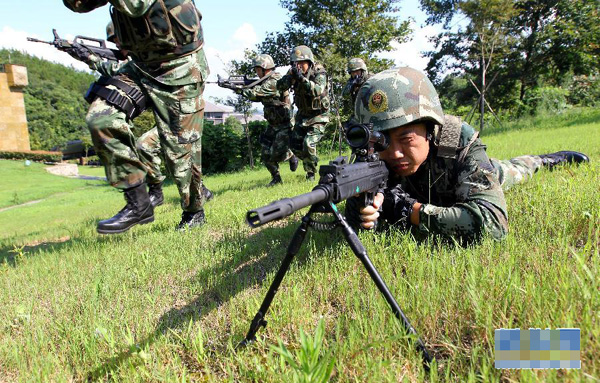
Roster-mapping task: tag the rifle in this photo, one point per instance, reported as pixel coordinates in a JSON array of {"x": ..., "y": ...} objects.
[
  {"x": 339, "y": 181},
  {"x": 237, "y": 82},
  {"x": 79, "y": 42}
]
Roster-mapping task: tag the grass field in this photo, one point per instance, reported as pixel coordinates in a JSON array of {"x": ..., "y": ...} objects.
[{"x": 154, "y": 305}]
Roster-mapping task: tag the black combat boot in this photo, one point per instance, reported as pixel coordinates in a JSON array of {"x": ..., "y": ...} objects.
[
  {"x": 208, "y": 195},
  {"x": 310, "y": 176},
  {"x": 293, "y": 163},
  {"x": 138, "y": 210},
  {"x": 563, "y": 157},
  {"x": 275, "y": 180},
  {"x": 190, "y": 220},
  {"x": 156, "y": 194}
]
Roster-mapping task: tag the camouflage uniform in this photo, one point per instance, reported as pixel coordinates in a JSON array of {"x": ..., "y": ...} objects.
[
  {"x": 354, "y": 83},
  {"x": 168, "y": 64},
  {"x": 312, "y": 99},
  {"x": 460, "y": 188},
  {"x": 275, "y": 140}
]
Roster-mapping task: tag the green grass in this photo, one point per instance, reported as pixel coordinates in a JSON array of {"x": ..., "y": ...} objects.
[{"x": 156, "y": 305}]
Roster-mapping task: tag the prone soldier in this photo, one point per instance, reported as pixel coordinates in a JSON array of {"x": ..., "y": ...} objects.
[
  {"x": 309, "y": 82},
  {"x": 275, "y": 140},
  {"x": 441, "y": 179},
  {"x": 168, "y": 65}
]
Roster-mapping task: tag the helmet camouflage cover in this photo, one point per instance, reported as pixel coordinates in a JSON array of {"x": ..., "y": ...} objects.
[
  {"x": 356, "y": 64},
  {"x": 302, "y": 52},
  {"x": 263, "y": 61},
  {"x": 110, "y": 32},
  {"x": 397, "y": 97}
]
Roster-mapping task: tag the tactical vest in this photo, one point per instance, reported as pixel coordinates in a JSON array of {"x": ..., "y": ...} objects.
[
  {"x": 447, "y": 139},
  {"x": 308, "y": 104},
  {"x": 277, "y": 110},
  {"x": 169, "y": 29}
]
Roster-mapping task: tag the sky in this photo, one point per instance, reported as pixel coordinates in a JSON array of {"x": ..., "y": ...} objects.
[{"x": 229, "y": 27}]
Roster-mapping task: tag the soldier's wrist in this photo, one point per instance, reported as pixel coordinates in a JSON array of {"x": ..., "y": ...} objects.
[{"x": 416, "y": 213}]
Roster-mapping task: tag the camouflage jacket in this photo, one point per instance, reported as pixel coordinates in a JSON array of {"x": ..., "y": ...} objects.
[
  {"x": 169, "y": 62},
  {"x": 462, "y": 198},
  {"x": 350, "y": 92},
  {"x": 310, "y": 96},
  {"x": 277, "y": 105}
]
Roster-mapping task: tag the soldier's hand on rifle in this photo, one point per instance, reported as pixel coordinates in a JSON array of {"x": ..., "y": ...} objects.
[
  {"x": 237, "y": 89},
  {"x": 79, "y": 52},
  {"x": 365, "y": 217}
]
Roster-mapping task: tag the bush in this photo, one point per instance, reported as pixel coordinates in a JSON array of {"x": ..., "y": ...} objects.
[
  {"x": 585, "y": 90},
  {"x": 34, "y": 155},
  {"x": 545, "y": 99}
]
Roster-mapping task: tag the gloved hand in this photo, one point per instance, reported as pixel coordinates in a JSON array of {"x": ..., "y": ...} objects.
[
  {"x": 397, "y": 206},
  {"x": 297, "y": 73},
  {"x": 237, "y": 90}
]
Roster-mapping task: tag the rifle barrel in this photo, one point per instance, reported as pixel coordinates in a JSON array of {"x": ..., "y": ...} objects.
[
  {"x": 286, "y": 206},
  {"x": 38, "y": 41}
]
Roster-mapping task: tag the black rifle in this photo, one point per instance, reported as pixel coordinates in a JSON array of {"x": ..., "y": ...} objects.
[
  {"x": 100, "y": 50},
  {"x": 237, "y": 82},
  {"x": 339, "y": 181}
]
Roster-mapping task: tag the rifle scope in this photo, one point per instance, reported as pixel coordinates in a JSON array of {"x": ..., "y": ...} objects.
[{"x": 359, "y": 136}]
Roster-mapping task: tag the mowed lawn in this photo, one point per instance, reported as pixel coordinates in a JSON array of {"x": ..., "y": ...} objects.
[{"x": 155, "y": 305}]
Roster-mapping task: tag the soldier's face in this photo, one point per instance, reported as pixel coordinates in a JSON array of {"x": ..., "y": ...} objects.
[
  {"x": 408, "y": 149},
  {"x": 356, "y": 73},
  {"x": 260, "y": 72},
  {"x": 303, "y": 65}
]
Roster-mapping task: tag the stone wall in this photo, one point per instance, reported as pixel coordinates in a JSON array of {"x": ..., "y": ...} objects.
[{"x": 14, "y": 135}]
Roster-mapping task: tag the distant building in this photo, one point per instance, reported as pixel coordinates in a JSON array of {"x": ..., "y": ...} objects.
[
  {"x": 219, "y": 113},
  {"x": 13, "y": 121}
]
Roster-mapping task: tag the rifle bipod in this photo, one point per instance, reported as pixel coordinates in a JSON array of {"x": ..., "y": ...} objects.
[{"x": 358, "y": 249}]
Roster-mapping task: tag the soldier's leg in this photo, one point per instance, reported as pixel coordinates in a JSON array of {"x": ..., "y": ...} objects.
[
  {"x": 310, "y": 159},
  {"x": 516, "y": 170},
  {"x": 148, "y": 146},
  {"x": 115, "y": 145},
  {"x": 267, "y": 139},
  {"x": 179, "y": 113},
  {"x": 149, "y": 149}
]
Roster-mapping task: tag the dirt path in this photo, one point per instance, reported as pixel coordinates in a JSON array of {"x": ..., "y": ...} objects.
[{"x": 20, "y": 205}]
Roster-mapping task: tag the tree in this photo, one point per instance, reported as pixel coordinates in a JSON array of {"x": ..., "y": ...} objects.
[{"x": 241, "y": 105}]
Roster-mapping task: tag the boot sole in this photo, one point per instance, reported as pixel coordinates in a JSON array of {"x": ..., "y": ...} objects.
[{"x": 142, "y": 222}]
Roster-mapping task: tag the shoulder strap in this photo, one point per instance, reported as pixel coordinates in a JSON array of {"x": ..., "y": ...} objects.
[{"x": 448, "y": 137}]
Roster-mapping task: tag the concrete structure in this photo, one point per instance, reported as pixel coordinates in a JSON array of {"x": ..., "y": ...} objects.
[{"x": 14, "y": 135}]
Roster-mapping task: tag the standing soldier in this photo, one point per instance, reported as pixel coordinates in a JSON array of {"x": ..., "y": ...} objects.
[
  {"x": 309, "y": 82},
  {"x": 275, "y": 140},
  {"x": 357, "y": 69},
  {"x": 164, "y": 40}
]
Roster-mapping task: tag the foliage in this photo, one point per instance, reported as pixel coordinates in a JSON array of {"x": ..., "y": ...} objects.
[
  {"x": 308, "y": 365},
  {"x": 53, "y": 100},
  {"x": 34, "y": 155},
  {"x": 539, "y": 43}
]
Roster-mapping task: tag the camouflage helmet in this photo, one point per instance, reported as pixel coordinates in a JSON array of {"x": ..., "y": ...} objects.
[
  {"x": 110, "y": 32},
  {"x": 263, "y": 61},
  {"x": 302, "y": 52},
  {"x": 397, "y": 97},
  {"x": 356, "y": 64}
]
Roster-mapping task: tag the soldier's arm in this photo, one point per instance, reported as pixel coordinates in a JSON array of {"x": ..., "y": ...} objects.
[
  {"x": 266, "y": 89},
  {"x": 480, "y": 207},
  {"x": 83, "y": 6},
  {"x": 133, "y": 8},
  {"x": 107, "y": 68},
  {"x": 317, "y": 86},
  {"x": 285, "y": 82},
  {"x": 347, "y": 89}
]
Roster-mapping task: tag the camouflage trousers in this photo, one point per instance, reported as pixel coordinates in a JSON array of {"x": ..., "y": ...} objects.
[
  {"x": 149, "y": 150},
  {"x": 179, "y": 113},
  {"x": 303, "y": 143},
  {"x": 275, "y": 142},
  {"x": 516, "y": 170}
]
